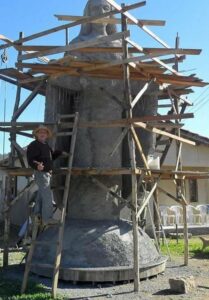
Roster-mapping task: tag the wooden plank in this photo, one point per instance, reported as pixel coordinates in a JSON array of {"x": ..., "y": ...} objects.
[
  {"x": 169, "y": 195},
  {"x": 132, "y": 155},
  {"x": 141, "y": 93},
  {"x": 119, "y": 141},
  {"x": 109, "y": 20},
  {"x": 20, "y": 152},
  {"x": 33, "y": 79},
  {"x": 147, "y": 200},
  {"x": 119, "y": 50},
  {"x": 79, "y": 45},
  {"x": 186, "y": 238},
  {"x": 163, "y": 173},
  {"x": 140, "y": 150},
  {"x": 134, "y": 20},
  {"x": 129, "y": 60},
  {"x": 164, "y": 133},
  {"x": 104, "y": 123},
  {"x": 179, "y": 81},
  {"x": 27, "y": 101},
  {"x": 181, "y": 58},
  {"x": 153, "y": 57},
  {"x": 36, "y": 48},
  {"x": 76, "y": 67},
  {"x": 29, "y": 257},
  {"x": 26, "y": 189},
  {"x": 108, "y": 190}
]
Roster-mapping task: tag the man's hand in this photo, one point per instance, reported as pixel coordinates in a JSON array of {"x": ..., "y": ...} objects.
[{"x": 40, "y": 165}]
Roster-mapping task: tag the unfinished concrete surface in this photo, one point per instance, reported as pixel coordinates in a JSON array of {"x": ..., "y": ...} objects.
[{"x": 98, "y": 243}]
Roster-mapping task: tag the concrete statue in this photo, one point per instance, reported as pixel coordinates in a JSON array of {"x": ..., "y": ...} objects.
[{"x": 98, "y": 243}]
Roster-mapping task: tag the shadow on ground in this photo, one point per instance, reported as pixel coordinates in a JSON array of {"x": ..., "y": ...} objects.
[
  {"x": 10, "y": 290},
  {"x": 200, "y": 254}
]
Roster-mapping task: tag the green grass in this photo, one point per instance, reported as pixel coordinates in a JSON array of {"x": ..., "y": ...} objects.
[
  {"x": 10, "y": 289},
  {"x": 195, "y": 248},
  {"x": 14, "y": 258}
]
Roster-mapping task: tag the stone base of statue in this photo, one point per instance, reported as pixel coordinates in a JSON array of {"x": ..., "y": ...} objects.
[{"x": 98, "y": 251}]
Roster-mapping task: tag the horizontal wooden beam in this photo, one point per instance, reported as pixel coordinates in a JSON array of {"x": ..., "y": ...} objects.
[
  {"x": 102, "y": 123},
  {"x": 163, "y": 174},
  {"x": 149, "y": 50},
  {"x": 76, "y": 46},
  {"x": 110, "y": 49},
  {"x": 110, "y": 20}
]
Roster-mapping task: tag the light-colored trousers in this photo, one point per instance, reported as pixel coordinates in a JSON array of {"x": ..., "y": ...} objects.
[{"x": 44, "y": 199}]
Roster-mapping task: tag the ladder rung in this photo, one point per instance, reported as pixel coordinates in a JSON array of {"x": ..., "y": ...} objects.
[
  {"x": 164, "y": 105},
  {"x": 67, "y": 116},
  {"x": 159, "y": 151},
  {"x": 163, "y": 142},
  {"x": 45, "y": 242},
  {"x": 58, "y": 188},
  {"x": 64, "y": 133},
  {"x": 42, "y": 265}
]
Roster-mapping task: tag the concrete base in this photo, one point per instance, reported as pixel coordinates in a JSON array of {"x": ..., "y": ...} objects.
[{"x": 97, "y": 251}]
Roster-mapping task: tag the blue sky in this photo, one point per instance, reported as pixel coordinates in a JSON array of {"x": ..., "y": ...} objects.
[{"x": 190, "y": 18}]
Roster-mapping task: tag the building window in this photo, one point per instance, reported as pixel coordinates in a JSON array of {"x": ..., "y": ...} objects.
[{"x": 193, "y": 190}]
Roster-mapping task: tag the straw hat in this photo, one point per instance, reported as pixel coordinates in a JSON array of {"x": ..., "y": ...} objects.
[{"x": 41, "y": 127}]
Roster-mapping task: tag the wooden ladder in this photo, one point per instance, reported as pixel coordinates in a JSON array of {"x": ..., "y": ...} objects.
[{"x": 61, "y": 223}]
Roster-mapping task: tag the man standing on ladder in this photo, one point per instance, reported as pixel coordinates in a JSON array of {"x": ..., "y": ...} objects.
[{"x": 40, "y": 157}]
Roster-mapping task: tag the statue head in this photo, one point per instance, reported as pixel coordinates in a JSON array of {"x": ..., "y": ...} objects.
[{"x": 94, "y": 8}]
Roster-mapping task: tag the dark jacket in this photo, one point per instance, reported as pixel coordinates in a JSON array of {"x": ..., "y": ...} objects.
[{"x": 41, "y": 152}]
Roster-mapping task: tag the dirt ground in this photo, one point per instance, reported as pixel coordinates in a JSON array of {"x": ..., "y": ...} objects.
[{"x": 153, "y": 288}]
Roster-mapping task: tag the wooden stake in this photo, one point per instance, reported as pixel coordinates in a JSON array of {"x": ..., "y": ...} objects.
[
  {"x": 186, "y": 240},
  {"x": 128, "y": 99}
]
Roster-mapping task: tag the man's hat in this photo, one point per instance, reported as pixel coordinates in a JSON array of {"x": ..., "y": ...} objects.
[{"x": 41, "y": 127}]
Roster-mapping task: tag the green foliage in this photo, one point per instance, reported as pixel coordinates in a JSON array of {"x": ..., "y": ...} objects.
[
  {"x": 195, "y": 248},
  {"x": 14, "y": 258},
  {"x": 10, "y": 290}
]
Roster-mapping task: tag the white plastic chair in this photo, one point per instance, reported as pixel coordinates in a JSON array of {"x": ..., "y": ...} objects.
[
  {"x": 178, "y": 214},
  {"x": 203, "y": 211},
  {"x": 163, "y": 214},
  {"x": 193, "y": 215},
  {"x": 171, "y": 216}
]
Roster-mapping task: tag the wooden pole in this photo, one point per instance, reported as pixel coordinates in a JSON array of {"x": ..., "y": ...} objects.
[
  {"x": 156, "y": 216},
  {"x": 6, "y": 224},
  {"x": 180, "y": 190},
  {"x": 128, "y": 99},
  {"x": 11, "y": 184}
]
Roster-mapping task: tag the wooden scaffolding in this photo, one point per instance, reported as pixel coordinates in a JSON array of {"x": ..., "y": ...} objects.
[{"x": 148, "y": 65}]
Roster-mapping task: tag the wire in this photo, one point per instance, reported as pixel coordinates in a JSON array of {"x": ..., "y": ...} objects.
[
  {"x": 4, "y": 117},
  {"x": 4, "y": 59},
  {"x": 201, "y": 106},
  {"x": 198, "y": 103},
  {"x": 201, "y": 94}
]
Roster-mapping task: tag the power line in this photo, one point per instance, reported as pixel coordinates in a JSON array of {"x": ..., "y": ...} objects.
[
  {"x": 201, "y": 94},
  {"x": 201, "y": 106},
  {"x": 198, "y": 103}
]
